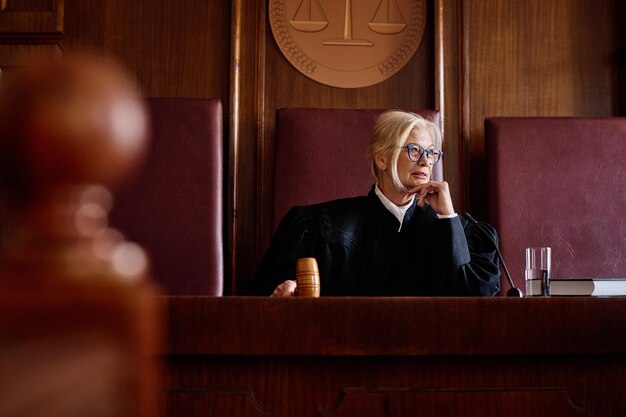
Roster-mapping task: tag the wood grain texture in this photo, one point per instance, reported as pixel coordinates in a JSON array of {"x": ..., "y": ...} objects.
[
  {"x": 528, "y": 386},
  {"x": 533, "y": 58},
  {"x": 620, "y": 55},
  {"x": 32, "y": 16},
  {"x": 245, "y": 143},
  {"x": 392, "y": 356},
  {"x": 396, "y": 326},
  {"x": 447, "y": 70},
  {"x": 174, "y": 49}
]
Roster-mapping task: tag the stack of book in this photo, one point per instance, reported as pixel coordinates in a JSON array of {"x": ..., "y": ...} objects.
[{"x": 606, "y": 287}]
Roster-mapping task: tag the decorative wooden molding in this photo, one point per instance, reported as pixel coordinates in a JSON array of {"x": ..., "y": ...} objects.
[
  {"x": 30, "y": 29},
  {"x": 28, "y": 6},
  {"x": 33, "y": 38},
  {"x": 32, "y": 16},
  {"x": 17, "y": 48},
  {"x": 351, "y": 401}
]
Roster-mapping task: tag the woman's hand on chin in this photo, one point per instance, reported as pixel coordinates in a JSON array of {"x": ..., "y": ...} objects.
[{"x": 437, "y": 195}]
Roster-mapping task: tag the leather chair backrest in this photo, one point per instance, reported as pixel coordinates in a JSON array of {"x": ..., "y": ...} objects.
[
  {"x": 321, "y": 155},
  {"x": 174, "y": 208},
  {"x": 559, "y": 182}
]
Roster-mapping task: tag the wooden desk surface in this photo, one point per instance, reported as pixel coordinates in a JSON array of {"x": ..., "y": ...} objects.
[
  {"x": 248, "y": 356},
  {"x": 395, "y": 326}
]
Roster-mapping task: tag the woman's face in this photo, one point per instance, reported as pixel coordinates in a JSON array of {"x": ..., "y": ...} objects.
[{"x": 412, "y": 174}]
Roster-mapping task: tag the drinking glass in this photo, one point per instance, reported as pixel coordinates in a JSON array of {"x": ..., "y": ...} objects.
[{"x": 538, "y": 271}]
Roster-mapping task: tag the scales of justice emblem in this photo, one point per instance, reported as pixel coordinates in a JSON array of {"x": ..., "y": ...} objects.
[{"x": 350, "y": 43}]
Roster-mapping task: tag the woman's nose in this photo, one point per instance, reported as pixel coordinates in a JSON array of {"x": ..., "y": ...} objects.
[{"x": 425, "y": 160}]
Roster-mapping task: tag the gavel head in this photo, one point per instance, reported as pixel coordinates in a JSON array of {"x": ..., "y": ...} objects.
[
  {"x": 307, "y": 278},
  {"x": 75, "y": 121}
]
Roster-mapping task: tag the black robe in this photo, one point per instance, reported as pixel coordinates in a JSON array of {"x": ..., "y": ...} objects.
[{"x": 360, "y": 251}]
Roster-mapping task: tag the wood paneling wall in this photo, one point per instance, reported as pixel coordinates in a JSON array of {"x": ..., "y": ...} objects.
[
  {"x": 619, "y": 19},
  {"x": 533, "y": 58},
  {"x": 478, "y": 58},
  {"x": 174, "y": 48}
]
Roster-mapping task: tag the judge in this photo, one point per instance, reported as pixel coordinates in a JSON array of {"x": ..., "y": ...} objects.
[{"x": 402, "y": 239}]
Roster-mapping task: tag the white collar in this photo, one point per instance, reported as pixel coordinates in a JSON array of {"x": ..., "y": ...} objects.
[{"x": 397, "y": 211}]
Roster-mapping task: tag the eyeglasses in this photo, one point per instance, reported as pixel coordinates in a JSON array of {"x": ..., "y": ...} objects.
[{"x": 416, "y": 153}]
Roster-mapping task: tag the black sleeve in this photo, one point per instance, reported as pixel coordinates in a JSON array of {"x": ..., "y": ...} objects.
[
  {"x": 473, "y": 263},
  {"x": 292, "y": 240}
]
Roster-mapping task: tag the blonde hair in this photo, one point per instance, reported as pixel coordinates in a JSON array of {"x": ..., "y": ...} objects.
[{"x": 389, "y": 135}]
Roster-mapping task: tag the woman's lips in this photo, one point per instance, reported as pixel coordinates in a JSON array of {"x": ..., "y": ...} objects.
[{"x": 420, "y": 175}]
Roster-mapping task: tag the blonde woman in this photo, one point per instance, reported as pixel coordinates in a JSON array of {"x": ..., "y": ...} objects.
[{"x": 404, "y": 238}]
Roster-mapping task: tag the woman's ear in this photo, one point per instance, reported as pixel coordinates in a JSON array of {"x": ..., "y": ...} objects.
[{"x": 381, "y": 161}]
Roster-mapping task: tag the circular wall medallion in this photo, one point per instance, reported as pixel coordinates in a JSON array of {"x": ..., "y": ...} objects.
[{"x": 348, "y": 43}]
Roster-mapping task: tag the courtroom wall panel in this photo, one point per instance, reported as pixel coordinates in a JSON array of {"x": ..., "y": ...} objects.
[
  {"x": 619, "y": 18},
  {"x": 175, "y": 49},
  {"x": 533, "y": 58},
  {"x": 480, "y": 58}
]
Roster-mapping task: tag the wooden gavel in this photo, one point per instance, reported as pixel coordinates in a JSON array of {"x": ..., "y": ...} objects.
[{"x": 307, "y": 278}]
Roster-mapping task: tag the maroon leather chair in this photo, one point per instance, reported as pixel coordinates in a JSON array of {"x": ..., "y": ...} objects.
[
  {"x": 559, "y": 182},
  {"x": 174, "y": 208},
  {"x": 321, "y": 155}
]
